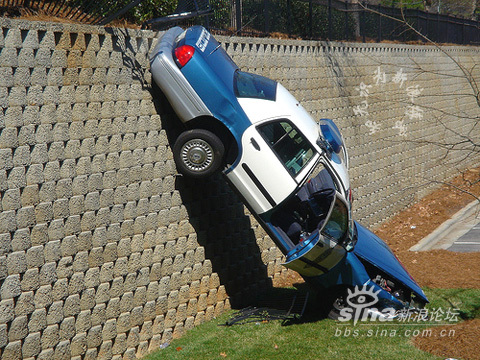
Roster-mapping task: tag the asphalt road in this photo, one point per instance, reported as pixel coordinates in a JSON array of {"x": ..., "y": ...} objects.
[
  {"x": 461, "y": 233},
  {"x": 468, "y": 242}
]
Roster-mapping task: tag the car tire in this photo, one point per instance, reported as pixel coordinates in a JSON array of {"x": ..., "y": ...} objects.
[{"x": 198, "y": 153}]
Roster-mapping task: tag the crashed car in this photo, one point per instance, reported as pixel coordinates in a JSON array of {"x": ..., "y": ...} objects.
[{"x": 290, "y": 170}]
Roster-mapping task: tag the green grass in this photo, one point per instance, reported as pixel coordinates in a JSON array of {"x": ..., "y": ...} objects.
[{"x": 315, "y": 338}]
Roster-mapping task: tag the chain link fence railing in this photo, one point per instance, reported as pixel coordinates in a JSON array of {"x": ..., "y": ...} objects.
[
  {"x": 337, "y": 20},
  {"x": 305, "y": 19}
]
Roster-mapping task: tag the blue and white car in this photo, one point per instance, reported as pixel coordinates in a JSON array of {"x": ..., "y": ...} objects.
[{"x": 291, "y": 171}]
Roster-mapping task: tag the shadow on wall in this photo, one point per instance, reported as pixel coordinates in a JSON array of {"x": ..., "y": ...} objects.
[
  {"x": 222, "y": 227},
  {"x": 130, "y": 48}
]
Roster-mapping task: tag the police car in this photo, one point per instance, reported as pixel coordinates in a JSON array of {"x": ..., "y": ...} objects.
[{"x": 290, "y": 170}]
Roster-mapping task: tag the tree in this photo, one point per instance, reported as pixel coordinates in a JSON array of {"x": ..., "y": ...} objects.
[{"x": 465, "y": 139}]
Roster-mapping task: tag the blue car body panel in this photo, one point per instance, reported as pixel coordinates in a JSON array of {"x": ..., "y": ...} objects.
[
  {"x": 214, "y": 55},
  {"x": 211, "y": 72},
  {"x": 371, "y": 249}
]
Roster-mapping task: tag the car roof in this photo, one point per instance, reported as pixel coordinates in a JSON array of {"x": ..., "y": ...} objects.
[{"x": 284, "y": 106}]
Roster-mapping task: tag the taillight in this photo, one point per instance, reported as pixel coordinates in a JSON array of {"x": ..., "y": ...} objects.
[{"x": 183, "y": 54}]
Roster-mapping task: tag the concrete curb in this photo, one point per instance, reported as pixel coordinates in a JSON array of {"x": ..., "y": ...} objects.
[{"x": 448, "y": 232}]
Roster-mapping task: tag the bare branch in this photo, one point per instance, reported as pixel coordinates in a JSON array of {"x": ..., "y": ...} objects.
[{"x": 468, "y": 75}]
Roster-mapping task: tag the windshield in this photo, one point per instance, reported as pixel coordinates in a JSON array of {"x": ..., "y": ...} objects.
[{"x": 290, "y": 146}]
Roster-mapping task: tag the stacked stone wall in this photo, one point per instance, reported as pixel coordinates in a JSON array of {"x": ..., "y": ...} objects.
[{"x": 105, "y": 252}]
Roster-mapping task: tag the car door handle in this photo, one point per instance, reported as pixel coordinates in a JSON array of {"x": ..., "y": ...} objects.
[{"x": 255, "y": 144}]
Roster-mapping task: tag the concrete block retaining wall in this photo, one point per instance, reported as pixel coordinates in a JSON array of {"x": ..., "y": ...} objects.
[{"x": 105, "y": 253}]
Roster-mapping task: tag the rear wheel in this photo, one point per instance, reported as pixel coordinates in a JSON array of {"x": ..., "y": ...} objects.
[{"x": 198, "y": 153}]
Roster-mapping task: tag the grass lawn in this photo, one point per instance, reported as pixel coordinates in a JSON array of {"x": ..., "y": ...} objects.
[{"x": 314, "y": 338}]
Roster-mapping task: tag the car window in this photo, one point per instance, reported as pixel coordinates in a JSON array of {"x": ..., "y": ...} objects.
[
  {"x": 336, "y": 228},
  {"x": 254, "y": 86},
  {"x": 290, "y": 146}
]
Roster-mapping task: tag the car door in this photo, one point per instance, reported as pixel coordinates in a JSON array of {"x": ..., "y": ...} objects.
[
  {"x": 260, "y": 177},
  {"x": 274, "y": 156}
]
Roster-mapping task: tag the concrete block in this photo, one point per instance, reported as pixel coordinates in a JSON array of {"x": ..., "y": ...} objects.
[
  {"x": 43, "y": 296},
  {"x": 84, "y": 241},
  {"x": 21, "y": 155},
  {"x": 30, "y": 280},
  {"x": 68, "y": 245},
  {"x": 16, "y": 178},
  {"x": 26, "y": 217},
  {"x": 47, "y": 354},
  {"x": 92, "y": 275},
  {"x": 73, "y": 225},
  {"x": 87, "y": 300},
  {"x": 62, "y": 350},
  {"x": 13, "y": 350},
  {"x": 11, "y": 199},
  {"x": 102, "y": 294},
  {"x": 60, "y": 289},
  {"x": 69, "y": 169},
  {"x": 55, "y": 313},
  {"x": 72, "y": 305},
  {"x": 67, "y": 328},
  {"x": 61, "y": 208},
  {"x": 83, "y": 321},
  {"x": 117, "y": 288},
  {"x": 5, "y": 242},
  {"x": 26, "y": 135},
  {"x": 109, "y": 330},
  {"x": 3, "y": 259},
  {"x": 79, "y": 344},
  {"x": 30, "y": 195},
  {"x": 38, "y": 320},
  {"x": 133, "y": 338},
  {"x": 18, "y": 329},
  {"x": 11, "y": 287},
  {"x": 48, "y": 273},
  {"x": 95, "y": 182},
  {"x": 3, "y": 335},
  {"x": 76, "y": 283},
  {"x": 6, "y": 158},
  {"x": 7, "y": 311},
  {"x": 123, "y": 322},
  {"x": 113, "y": 308},
  {"x": 91, "y": 354},
  {"x": 110, "y": 252},
  {"x": 136, "y": 317}
]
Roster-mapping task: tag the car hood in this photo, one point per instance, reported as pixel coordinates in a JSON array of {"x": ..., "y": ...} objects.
[{"x": 372, "y": 249}]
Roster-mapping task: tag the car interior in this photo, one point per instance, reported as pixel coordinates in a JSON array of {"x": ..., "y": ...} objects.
[{"x": 305, "y": 212}]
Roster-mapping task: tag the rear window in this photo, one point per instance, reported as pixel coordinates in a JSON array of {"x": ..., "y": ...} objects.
[
  {"x": 249, "y": 85},
  {"x": 290, "y": 146}
]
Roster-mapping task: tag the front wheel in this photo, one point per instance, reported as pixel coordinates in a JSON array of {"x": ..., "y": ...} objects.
[{"x": 198, "y": 153}]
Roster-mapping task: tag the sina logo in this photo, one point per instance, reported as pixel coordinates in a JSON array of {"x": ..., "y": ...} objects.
[{"x": 359, "y": 304}]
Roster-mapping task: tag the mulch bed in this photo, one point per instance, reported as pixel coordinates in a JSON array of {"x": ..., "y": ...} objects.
[{"x": 439, "y": 268}]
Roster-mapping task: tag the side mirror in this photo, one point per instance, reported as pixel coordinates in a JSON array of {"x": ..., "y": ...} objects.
[{"x": 331, "y": 135}]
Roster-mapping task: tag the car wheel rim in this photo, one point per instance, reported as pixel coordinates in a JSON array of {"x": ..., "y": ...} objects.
[{"x": 197, "y": 155}]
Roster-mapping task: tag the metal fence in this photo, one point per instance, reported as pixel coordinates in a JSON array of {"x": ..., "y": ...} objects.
[
  {"x": 338, "y": 20},
  {"x": 306, "y": 19},
  {"x": 377, "y": 23}
]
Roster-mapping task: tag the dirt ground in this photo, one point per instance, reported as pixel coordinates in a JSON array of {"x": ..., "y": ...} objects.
[
  {"x": 435, "y": 268},
  {"x": 439, "y": 268}
]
